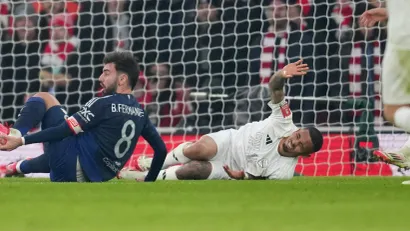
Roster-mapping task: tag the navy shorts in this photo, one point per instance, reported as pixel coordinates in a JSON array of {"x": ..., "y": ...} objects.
[{"x": 63, "y": 154}]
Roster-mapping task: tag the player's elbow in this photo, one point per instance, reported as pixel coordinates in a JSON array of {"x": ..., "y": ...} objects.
[{"x": 272, "y": 84}]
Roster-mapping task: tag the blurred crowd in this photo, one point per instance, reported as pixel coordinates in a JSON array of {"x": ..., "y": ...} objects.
[{"x": 227, "y": 47}]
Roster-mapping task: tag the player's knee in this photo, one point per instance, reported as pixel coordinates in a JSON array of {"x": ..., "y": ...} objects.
[
  {"x": 49, "y": 99},
  {"x": 203, "y": 149},
  {"x": 195, "y": 151},
  {"x": 389, "y": 111}
]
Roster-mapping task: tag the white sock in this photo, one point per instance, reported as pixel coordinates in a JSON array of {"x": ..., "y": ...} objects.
[
  {"x": 402, "y": 118},
  {"x": 14, "y": 132},
  {"x": 169, "y": 173},
  {"x": 18, "y": 166},
  {"x": 176, "y": 156}
]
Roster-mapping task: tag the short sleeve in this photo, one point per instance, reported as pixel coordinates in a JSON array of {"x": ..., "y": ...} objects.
[
  {"x": 280, "y": 111},
  {"x": 88, "y": 117}
]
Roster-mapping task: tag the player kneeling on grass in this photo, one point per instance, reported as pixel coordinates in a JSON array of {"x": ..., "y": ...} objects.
[
  {"x": 94, "y": 144},
  {"x": 268, "y": 149}
]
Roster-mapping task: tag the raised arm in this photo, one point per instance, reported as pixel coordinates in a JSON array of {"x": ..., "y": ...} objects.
[{"x": 277, "y": 81}]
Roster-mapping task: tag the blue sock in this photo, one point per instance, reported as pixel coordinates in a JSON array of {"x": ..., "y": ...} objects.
[
  {"x": 40, "y": 164},
  {"x": 31, "y": 115}
]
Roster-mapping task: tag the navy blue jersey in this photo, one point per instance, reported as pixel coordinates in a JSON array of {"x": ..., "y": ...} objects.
[{"x": 107, "y": 131}]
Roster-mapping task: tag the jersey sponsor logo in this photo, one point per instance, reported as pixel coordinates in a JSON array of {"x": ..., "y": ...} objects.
[
  {"x": 74, "y": 125},
  {"x": 262, "y": 163},
  {"x": 285, "y": 110},
  {"x": 268, "y": 140},
  {"x": 111, "y": 165},
  {"x": 86, "y": 114},
  {"x": 254, "y": 143}
]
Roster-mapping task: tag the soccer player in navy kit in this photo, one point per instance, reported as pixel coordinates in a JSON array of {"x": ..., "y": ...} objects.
[{"x": 94, "y": 144}]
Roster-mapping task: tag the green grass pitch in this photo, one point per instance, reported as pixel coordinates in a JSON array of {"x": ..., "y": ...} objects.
[{"x": 304, "y": 204}]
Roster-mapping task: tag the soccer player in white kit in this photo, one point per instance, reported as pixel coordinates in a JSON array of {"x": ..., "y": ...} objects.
[
  {"x": 396, "y": 72},
  {"x": 267, "y": 149}
]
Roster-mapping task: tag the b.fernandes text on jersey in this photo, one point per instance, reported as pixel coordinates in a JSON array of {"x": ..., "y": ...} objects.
[{"x": 122, "y": 108}]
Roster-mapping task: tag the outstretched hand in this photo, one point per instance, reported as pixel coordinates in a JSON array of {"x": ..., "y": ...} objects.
[
  {"x": 295, "y": 69},
  {"x": 370, "y": 17},
  {"x": 9, "y": 143},
  {"x": 237, "y": 175}
]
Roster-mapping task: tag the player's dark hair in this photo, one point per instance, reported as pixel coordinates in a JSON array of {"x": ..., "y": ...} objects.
[
  {"x": 125, "y": 62},
  {"x": 316, "y": 137}
]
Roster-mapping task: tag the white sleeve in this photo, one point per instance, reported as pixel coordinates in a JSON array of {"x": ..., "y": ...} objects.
[
  {"x": 280, "y": 111},
  {"x": 281, "y": 118}
]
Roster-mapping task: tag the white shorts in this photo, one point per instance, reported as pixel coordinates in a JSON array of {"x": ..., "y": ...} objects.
[
  {"x": 396, "y": 76},
  {"x": 218, "y": 172},
  {"x": 224, "y": 154}
]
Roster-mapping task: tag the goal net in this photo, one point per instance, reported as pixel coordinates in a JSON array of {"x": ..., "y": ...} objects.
[{"x": 205, "y": 67}]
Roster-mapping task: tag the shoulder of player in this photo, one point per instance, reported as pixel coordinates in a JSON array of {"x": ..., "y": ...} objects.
[
  {"x": 98, "y": 100},
  {"x": 279, "y": 130},
  {"x": 115, "y": 103},
  {"x": 109, "y": 99}
]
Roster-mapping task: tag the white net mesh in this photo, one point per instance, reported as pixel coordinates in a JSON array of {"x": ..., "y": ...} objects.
[{"x": 213, "y": 47}]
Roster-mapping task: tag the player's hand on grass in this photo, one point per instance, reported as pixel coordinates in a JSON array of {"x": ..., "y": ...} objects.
[
  {"x": 370, "y": 17},
  {"x": 237, "y": 175},
  {"x": 9, "y": 143},
  {"x": 295, "y": 69}
]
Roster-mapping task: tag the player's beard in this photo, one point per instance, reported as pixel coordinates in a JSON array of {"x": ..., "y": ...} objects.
[{"x": 110, "y": 90}]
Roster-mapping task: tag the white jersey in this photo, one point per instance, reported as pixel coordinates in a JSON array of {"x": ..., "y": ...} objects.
[
  {"x": 398, "y": 26},
  {"x": 255, "y": 145}
]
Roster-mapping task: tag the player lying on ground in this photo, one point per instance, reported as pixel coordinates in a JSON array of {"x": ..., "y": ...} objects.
[
  {"x": 268, "y": 149},
  {"x": 396, "y": 73},
  {"x": 94, "y": 144}
]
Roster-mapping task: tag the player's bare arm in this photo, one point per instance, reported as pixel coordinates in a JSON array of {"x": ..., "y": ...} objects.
[
  {"x": 370, "y": 17},
  {"x": 277, "y": 81}
]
